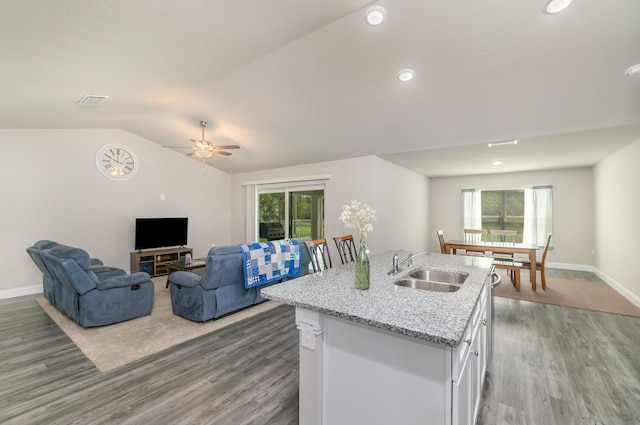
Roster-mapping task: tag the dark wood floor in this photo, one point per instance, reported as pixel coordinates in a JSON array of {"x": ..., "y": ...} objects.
[{"x": 552, "y": 366}]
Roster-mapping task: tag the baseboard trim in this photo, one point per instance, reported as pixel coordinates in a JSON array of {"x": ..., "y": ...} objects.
[
  {"x": 568, "y": 266},
  {"x": 20, "y": 292},
  {"x": 633, "y": 298}
]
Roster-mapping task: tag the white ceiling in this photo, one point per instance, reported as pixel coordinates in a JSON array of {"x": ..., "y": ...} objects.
[{"x": 301, "y": 81}]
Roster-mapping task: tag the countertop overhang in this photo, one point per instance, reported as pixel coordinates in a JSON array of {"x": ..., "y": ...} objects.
[{"x": 438, "y": 317}]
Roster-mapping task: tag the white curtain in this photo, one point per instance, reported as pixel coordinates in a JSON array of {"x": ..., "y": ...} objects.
[
  {"x": 538, "y": 207},
  {"x": 471, "y": 210}
]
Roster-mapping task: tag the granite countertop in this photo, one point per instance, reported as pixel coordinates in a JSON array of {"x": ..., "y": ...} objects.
[{"x": 439, "y": 317}]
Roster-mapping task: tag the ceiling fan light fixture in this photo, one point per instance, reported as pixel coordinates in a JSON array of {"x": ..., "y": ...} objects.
[
  {"x": 203, "y": 153},
  {"x": 556, "y": 6},
  {"x": 375, "y": 15}
]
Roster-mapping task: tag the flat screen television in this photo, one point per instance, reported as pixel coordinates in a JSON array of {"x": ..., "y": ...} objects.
[{"x": 161, "y": 232}]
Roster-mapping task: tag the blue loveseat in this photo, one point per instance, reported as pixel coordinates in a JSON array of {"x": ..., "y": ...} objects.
[
  {"x": 220, "y": 289},
  {"x": 87, "y": 291},
  {"x": 48, "y": 283}
]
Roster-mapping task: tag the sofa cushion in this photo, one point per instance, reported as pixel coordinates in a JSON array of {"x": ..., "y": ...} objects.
[
  {"x": 34, "y": 253},
  {"x": 123, "y": 281},
  {"x": 67, "y": 270},
  {"x": 80, "y": 256}
]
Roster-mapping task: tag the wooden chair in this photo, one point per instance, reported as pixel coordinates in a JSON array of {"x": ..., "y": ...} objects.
[
  {"x": 319, "y": 254},
  {"x": 443, "y": 247},
  {"x": 540, "y": 264},
  {"x": 513, "y": 269},
  {"x": 474, "y": 236},
  {"x": 504, "y": 237},
  {"x": 346, "y": 248}
]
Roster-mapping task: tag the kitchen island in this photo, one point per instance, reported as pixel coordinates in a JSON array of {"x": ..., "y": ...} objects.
[{"x": 390, "y": 354}]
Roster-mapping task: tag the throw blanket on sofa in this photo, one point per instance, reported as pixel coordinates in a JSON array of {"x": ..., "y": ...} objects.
[{"x": 266, "y": 262}]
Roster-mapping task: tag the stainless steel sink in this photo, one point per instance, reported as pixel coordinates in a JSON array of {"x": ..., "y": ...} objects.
[
  {"x": 439, "y": 277},
  {"x": 427, "y": 285}
]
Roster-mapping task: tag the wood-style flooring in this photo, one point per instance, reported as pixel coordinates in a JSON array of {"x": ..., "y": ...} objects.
[
  {"x": 552, "y": 365},
  {"x": 558, "y": 365}
]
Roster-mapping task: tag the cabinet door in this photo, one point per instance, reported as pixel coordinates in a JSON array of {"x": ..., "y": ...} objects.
[
  {"x": 462, "y": 401},
  {"x": 478, "y": 363},
  {"x": 483, "y": 346},
  {"x": 475, "y": 369}
]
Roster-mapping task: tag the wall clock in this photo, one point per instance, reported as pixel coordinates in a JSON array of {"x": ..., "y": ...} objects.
[{"x": 117, "y": 162}]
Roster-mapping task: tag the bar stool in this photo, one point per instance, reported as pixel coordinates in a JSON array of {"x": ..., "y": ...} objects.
[{"x": 346, "y": 248}]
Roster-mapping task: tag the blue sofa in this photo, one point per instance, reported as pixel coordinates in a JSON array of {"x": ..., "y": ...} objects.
[
  {"x": 220, "y": 289},
  {"x": 89, "y": 293}
]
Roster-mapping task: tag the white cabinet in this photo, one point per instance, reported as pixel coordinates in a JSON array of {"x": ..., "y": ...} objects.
[{"x": 470, "y": 365}]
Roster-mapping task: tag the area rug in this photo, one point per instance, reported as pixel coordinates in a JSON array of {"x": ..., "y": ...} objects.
[
  {"x": 112, "y": 346},
  {"x": 570, "y": 293}
]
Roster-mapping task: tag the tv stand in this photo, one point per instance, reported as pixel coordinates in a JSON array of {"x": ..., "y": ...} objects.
[{"x": 155, "y": 261}]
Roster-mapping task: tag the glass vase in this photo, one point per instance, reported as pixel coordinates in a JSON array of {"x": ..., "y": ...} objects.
[{"x": 362, "y": 266}]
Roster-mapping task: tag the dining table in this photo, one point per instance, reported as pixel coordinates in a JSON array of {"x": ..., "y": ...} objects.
[{"x": 498, "y": 248}]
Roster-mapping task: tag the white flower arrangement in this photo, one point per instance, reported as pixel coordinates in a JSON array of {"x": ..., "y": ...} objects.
[{"x": 360, "y": 215}]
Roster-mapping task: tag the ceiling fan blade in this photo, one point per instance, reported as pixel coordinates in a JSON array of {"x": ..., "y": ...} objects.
[
  {"x": 227, "y": 147},
  {"x": 222, "y": 153}
]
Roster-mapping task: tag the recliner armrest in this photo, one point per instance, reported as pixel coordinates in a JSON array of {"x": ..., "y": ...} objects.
[
  {"x": 124, "y": 281},
  {"x": 187, "y": 279},
  {"x": 96, "y": 262}
]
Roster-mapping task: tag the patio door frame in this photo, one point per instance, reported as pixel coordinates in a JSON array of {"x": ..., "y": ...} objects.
[{"x": 253, "y": 190}]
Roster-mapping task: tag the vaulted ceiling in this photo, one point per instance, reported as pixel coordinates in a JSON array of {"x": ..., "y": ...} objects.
[{"x": 301, "y": 81}]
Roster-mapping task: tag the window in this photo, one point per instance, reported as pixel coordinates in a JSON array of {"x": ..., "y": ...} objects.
[
  {"x": 527, "y": 211},
  {"x": 504, "y": 210}
]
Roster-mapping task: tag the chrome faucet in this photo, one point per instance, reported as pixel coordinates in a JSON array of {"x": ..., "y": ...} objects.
[{"x": 398, "y": 266}]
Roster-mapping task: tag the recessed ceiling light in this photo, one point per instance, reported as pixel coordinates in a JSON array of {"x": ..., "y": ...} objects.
[
  {"x": 496, "y": 163},
  {"x": 633, "y": 71},
  {"x": 507, "y": 142},
  {"x": 556, "y": 6},
  {"x": 375, "y": 15},
  {"x": 405, "y": 75}
]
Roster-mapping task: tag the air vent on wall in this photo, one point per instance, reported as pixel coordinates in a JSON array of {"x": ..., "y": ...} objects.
[{"x": 92, "y": 100}]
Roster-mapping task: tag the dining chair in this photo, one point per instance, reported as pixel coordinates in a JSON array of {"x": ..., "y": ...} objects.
[
  {"x": 474, "y": 236},
  {"x": 319, "y": 254},
  {"x": 506, "y": 236},
  {"x": 539, "y": 264},
  {"x": 443, "y": 247},
  {"x": 346, "y": 248},
  {"x": 503, "y": 237}
]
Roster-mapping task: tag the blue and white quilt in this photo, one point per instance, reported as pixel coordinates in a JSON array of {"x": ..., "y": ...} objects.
[{"x": 266, "y": 262}]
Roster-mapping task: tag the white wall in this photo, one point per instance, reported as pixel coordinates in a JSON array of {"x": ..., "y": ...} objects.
[
  {"x": 617, "y": 200},
  {"x": 398, "y": 195},
  {"x": 50, "y": 188},
  {"x": 573, "y": 209}
]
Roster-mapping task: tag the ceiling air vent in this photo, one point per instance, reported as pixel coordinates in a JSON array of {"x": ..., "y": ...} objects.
[{"x": 92, "y": 100}]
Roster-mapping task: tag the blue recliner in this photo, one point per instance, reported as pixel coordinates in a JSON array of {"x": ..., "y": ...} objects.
[
  {"x": 221, "y": 289},
  {"x": 97, "y": 266},
  {"x": 47, "y": 279},
  {"x": 92, "y": 301}
]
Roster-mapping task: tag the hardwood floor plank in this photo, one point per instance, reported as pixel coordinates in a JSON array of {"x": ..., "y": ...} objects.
[{"x": 552, "y": 365}]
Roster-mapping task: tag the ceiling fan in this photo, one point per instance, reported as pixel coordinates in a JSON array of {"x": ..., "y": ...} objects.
[{"x": 205, "y": 149}]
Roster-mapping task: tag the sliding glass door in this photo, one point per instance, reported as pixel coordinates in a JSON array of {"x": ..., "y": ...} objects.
[{"x": 290, "y": 212}]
